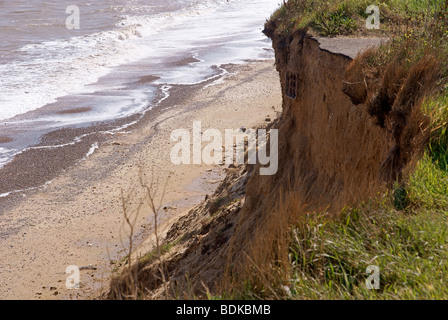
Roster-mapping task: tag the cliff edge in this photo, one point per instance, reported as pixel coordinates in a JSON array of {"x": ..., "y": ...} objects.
[{"x": 330, "y": 155}]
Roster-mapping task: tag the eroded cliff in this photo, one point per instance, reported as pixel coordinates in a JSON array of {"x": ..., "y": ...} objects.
[{"x": 334, "y": 151}]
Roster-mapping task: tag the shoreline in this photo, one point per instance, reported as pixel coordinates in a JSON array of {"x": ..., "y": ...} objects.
[{"x": 77, "y": 218}]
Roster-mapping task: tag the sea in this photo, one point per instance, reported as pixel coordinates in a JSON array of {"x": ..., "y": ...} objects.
[{"x": 77, "y": 63}]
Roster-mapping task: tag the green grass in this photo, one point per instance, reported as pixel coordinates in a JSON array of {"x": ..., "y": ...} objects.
[
  {"x": 428, "y": 186},
  {"x": 148, "y": 258},
  {"x": 410, "y": 246},
  {"x": 337, "y": 22},
  {"x": 437, "y": 109},
  {"x": 415, "y": 28},
  {"x": 335, "y": 17},
  {"x": 329, "y": 256},
  {"x": 329, "y": 259},
  {"x": 154, "y": 253}
]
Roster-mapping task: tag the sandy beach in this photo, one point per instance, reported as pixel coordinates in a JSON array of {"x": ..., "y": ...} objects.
[{"x": 77, "y": 218}]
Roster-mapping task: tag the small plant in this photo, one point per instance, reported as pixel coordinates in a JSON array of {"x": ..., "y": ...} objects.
[
  {"x": 129, "y": 284},
  {"x": 400, "y": 197},
  {"x": 217, "y": 204},
  {"x": 335, "y": 23}
]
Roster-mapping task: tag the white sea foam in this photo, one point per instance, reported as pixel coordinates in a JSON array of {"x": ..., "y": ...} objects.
[
  {"x": 6, "y": 155},
  {"x": 55, "y": 68},
  {"x": 91, "y": 150},
  {"x": 3, "y": 158},
  {"x": 58, "y": 67},
  {"x": 44, "y": 186}
]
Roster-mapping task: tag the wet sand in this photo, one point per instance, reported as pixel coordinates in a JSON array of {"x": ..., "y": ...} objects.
[
  {"x": 74, "y": 111},
  {"x": 4, "y": 139},
  {"x": 77, "y": 219}
]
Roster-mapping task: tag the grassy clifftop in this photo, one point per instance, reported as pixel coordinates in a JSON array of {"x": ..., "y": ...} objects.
[{"x": 348, "y": 17}]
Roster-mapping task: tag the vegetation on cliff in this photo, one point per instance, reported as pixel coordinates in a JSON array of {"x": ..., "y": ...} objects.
[
  {"x": 348, "y": 17},
  {"x": 404, "y": 231}
]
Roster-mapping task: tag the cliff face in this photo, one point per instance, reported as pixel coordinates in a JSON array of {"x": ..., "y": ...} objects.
[
  {"x": 333, "y": 152},
  {"x": 346, "y": 134}
]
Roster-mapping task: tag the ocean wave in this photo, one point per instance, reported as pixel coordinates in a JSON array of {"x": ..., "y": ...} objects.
[{"x": 55, "y": 68}]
